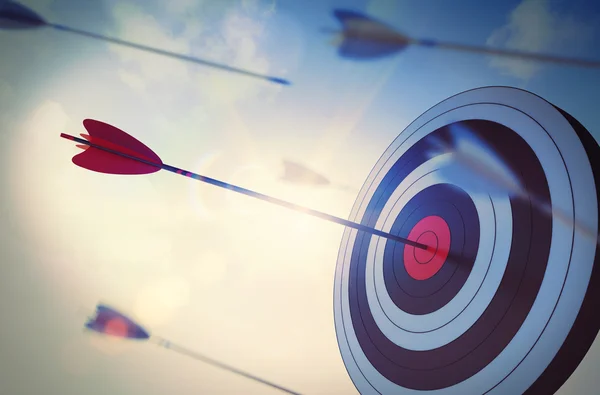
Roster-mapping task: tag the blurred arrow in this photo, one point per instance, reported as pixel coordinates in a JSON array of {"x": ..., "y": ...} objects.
[
  {"x": 363, "y": 37},
  {"x": 16, "y": 16},
  {"x": 108, "y": 321},
  {"x": 296, "y": 173},
  {"x": 484, "y": 170},
  {"x": 299, "y": 174}
]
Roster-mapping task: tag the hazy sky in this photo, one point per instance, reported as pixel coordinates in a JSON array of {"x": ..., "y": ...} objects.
[{"x": 236, "y": 279}]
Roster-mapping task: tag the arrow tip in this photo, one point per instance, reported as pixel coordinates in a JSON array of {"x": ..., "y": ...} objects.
[{"x": 280, "y": 81}]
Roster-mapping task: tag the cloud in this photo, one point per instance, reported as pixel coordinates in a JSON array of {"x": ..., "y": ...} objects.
[
  {"x": 181, "y": 7},
  {"x": 261, "y": 7},
  {"x": 6, "y": 93},
  {"x": 237, "y": 45},
  {"x": 134, "y": 81},
  {"x": 136, "y": 26},
  {"x": 225, "y": 33},
  {"x": 534, "y": 27}
]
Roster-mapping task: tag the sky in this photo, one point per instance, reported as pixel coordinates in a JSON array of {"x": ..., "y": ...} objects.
[{"x": 239, "y": 280}]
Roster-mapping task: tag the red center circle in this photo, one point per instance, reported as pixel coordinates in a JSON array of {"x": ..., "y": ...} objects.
[{"x": 434, "y": 232}]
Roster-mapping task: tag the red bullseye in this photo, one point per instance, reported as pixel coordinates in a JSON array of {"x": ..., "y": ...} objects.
[{"x": 434, "y": 232}]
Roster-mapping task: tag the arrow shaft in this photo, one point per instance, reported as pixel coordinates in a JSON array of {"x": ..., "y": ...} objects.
[
  {"x": 256, "y": 195},
  {"x": 293, "y": 206},
  {"x": 510, "y": 53},
  {"x": 192, "y": 354},
  {"x": 165, "y": 53}
]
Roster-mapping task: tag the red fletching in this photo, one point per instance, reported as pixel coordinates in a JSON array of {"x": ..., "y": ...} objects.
[{"x": 109, "y": 137}]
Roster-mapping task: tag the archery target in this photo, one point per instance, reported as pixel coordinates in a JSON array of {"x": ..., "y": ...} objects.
[{"x": 502, "y": 301}]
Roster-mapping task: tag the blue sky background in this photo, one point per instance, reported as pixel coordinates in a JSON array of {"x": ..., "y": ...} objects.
[{"x": 241, "y": 281}]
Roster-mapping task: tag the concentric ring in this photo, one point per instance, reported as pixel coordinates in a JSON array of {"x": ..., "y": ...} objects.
[
  {"x": 476, "y": 292},
  {"x": 425, "y": 295},
  {"x": 499, "y": 313}
]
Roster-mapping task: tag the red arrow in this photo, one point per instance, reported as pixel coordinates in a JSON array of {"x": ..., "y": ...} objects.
[{"x": 112, "y": 151}]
